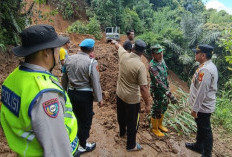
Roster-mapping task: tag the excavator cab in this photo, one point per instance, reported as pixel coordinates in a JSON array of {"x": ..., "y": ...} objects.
[{"x": 112, "y": 33}]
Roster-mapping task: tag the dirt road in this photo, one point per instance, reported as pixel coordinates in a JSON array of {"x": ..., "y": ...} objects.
[{"x": 105, "y": 129}]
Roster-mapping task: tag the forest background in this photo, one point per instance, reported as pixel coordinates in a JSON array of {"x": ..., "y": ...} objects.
[{"x": 178, "y": 25}]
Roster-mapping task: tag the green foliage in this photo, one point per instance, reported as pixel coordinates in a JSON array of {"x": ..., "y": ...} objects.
[
  {"x": 45, "y": 16},
  {"x": 192, "y": 27},
  {"x": 164, "y": 22},
  {"x": 226, "y": 42},
  {"x": 220, "y": 17},
  {"x": 11, "y": 22},
  {"x": 78, "y": 27},
  {"x": 40, "y": 1},
  {"x": 144, "y": 10},
  {"x": 92, "y": 27},
  {"x": 68, "y": 8},
  {"x": 131, "y": 20},
  {"x": 107, "y": 12},
  {"x": 179, "y": 116},
  {"x": 193, "y": 6},
  {"x": 186, "y": 59},
  {"x": 2, "y": 47},
  {"x": 223, "y": 112},
  {"x": 159, "y": 4}
]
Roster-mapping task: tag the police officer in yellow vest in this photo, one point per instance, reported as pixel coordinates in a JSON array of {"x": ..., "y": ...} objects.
[{"x": 36, "y": 114}]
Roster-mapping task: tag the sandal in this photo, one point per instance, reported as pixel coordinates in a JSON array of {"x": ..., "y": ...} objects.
[{"x": 137, "y": 148}]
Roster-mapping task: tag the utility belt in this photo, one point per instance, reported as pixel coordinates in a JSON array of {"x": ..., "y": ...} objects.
[{"x": 80, "y": 89}]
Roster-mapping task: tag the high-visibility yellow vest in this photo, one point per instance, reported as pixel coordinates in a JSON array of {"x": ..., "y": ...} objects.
[{"x": 20, "y": 91}]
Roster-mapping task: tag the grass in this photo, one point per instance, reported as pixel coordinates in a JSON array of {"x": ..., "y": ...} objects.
[{"x": 223, "y": 113}]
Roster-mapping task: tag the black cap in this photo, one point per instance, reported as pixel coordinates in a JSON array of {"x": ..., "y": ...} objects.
[
  {"x": 140, "y": 45},
  {"x": 204, "y": 48},
  {"x": 38, "y": 37},
  {"x": 127, "y": 45}
]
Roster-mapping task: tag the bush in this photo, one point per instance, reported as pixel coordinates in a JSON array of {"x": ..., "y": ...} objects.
[
  {"x": 92, "y": 27},
  {"x": 11, "y": 22},
  {"x": 68, "y": 8},
  {"x": 78, "y": 27},
  {"x": 223, "y": 112},
  {"x": 131, "y": 20}
]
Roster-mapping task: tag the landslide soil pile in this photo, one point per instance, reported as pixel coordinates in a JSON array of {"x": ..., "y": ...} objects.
[{"x": 104, "y": 128}]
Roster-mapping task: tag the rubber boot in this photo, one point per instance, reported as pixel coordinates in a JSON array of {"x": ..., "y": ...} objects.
[
  {"x": 161, "y": 127},
  {"x": 155, "y": 129}
]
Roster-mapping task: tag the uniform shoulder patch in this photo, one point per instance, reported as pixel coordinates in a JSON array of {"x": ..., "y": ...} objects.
[
  {"x": 51, "y": 107},
  {"x": 200, "y": 76},
  {"x": 97, "y": 68}
]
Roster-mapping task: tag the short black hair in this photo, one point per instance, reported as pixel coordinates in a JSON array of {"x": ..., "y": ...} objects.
[
  {"x": 209, "y": 55},
  {"x": 87, "y": 49},
  {"x": 129, "y": 31},
  {"x": 127, "y": 45}
]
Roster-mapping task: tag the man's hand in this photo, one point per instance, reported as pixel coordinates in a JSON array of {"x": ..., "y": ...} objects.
[
  {"x": 194, "y": 114},
  {"x": 115, "y": 43},
  {"x": 100, "y": 104}
]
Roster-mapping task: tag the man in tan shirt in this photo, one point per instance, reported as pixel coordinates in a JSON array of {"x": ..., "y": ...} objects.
[{"x": 132, "y": 81}]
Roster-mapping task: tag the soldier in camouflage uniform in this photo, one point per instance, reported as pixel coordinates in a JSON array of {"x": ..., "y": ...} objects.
[{"x": 159, "y": 89}]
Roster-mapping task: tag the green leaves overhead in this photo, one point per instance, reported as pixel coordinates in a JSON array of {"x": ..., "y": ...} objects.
[
  {"x": 92, "y": 27},
  {"x": 108, "y": 12},
  {"x": 131, "y": 20}
]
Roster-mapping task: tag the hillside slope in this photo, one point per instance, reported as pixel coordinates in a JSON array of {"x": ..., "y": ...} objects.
[{"x": 105, "y": 129}]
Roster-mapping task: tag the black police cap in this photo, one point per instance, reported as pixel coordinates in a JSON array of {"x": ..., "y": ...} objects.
[
  {"x": 204, "y": 48},
  {"x": 140, "y": 45}
]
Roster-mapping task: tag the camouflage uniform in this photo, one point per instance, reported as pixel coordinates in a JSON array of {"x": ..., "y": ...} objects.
[{"x": 159, "y": 88}]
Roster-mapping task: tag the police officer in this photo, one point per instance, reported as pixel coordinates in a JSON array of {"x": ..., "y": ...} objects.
[
  {"x": 36, "y": 114},
  {"x": 159, "y": 90},
  {"x": 203, "y": 98},
  {"x": 84, "y": 88}
]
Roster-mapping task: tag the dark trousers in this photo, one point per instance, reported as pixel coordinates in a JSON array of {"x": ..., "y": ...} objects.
[
  {"x": 204, "y": 133},
  {"x": 82, "y": 102},
  {"x": 128, "y": 118}
]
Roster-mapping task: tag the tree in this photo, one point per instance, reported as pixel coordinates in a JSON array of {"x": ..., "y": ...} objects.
[
  {"x": 144, "y": 9},
  {"x": 131, "y": 20},
  {"x": 108, "y": 12},
  {"x": 226, "y": 42},
  {"x": 11, "y": 21}
]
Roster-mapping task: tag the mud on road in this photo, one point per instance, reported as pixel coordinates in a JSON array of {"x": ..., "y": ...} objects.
[{"x": 105, "y": 128}]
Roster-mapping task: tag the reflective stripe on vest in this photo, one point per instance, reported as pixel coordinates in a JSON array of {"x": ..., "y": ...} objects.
[
  {"x": 20, "y": 91},
  {"x": 28, "y": 135}
]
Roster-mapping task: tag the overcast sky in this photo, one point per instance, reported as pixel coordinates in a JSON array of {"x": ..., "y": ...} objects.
[{"x": 219, "y": 5}]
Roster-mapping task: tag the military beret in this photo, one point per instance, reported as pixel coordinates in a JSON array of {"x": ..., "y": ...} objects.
[
  {"x": 89, "y": 43},
  {"x": 157, "y": 48},
  {"x": 140, "y": 45},
  {"x": 204, "y": 48}
]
